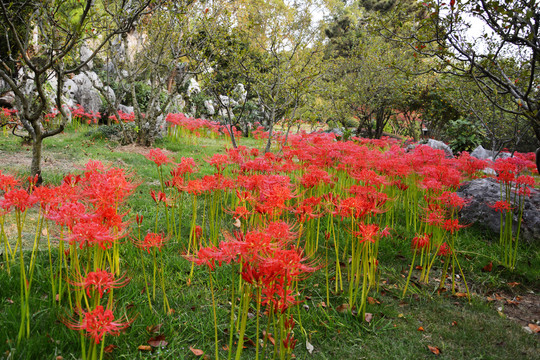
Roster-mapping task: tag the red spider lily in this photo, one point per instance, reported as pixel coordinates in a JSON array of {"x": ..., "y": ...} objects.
[
  {"x": 305, "y": 212},
  {"x": 97, "y": 323},
  {"x": 314, "y": 176},
  {"x": 421, "y": 241},
  {"x": 244, "y": 196},
  {"x": 470, "y": 165},
  {"x": 400, "y": 185},
  {"x": 186, "y": 166},
  {"x": 240, "y": 212},
  {"x": 435, "y": 218},
  {"x": 444, "y": 250},
  {"x": 526, "y": 180},
  {"x": 101, "y": 281},
  {"x": 194, "y": 187},
  {"x": 452, "y": 200},
  {"x": 19, "y": 199},
  {"x": 7, "y": 182},
  {"x": 69, "y": 214},
  {"x": 452, "y": 225},
  {"x": 139, "y": 219},
  {"x": 152, "y": 240},
  {"x": 367, "y": 232},
  {"x": 46, "y": 196},
  {"x": 90, "y": 233},
  {"x": 161, "y": 197},
  {"x": 210, "y": 255},
  {"x": 219, "y": 161},
  {"x": 502, "y": 206},
  {"x": 289, "y": 342},
  {"x": 197, "y": 232},
  {"x": 109, "y": 217},
  {"x": 158, "y": 157}
]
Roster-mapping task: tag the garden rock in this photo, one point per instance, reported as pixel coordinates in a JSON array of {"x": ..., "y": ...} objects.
[
  {"x": 484, "y": 154},
  {"x": 87, "y": 96},
  {"x": 86, "y": 54},
  {"x": 8, "y": 100},
  {"x": 125, "y": 109},
  {"x": 439, "y": 145},
  {"x": 484, "y": 192}
]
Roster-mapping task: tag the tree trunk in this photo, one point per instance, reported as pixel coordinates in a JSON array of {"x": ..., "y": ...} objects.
[
  {"x": 270, "y": 131},
  {"x": 35, "y": 168}
]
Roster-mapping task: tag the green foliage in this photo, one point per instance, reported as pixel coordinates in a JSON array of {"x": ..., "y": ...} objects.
[
  {"x": 438, "y": 110},
  {"x": 464, "y": 135},
  {"x": 114, "y": 132}
]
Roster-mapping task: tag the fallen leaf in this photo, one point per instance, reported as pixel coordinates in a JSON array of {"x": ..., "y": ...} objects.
[
  {"x": 269, "y": 336},
  {"x": 109, "y": 348},
  {"x": 237, "y": 223},
  {"x": 309, "y": 347},
  {"x": 188, "y": 282},
  {"x": 372, "y": 301},
  {"x": 512, "y": 302},
  {"x": 342, "y": 308},
  {"x": 513, "y": 284},
  {"x": 144, "y": 348},
  {"x": 434, "y": 349},
  {"x": 488, "y": 267},
  {"x": 44, "y": 232},
  {"x": 400, "y": 316},
  {"x": 368, "y": 317},
  {"x": 248, "y": 341},
  {"x": 458, "y": 294},
  {"x": 490, "y": 299},
  {"x": 420, "y": 329},
  {"x": 535, "y": 328},
  {"x": 158, "y": 341},
  {"x": 418, "y": 267},
  {"x": 196, "y": 352},
  {"x": 9, "y": 301},
  {"x": 454, "y": 323},
  {"x": 322, "y": 304},
  {"x": 154, "y": 329},
  {"x": 225, "y": 347}
]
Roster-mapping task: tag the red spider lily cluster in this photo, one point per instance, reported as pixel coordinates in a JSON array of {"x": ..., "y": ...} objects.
[
  {"x": 86, "y": 213},
  {"x": 81, "y": 116},
  {"x": 270, "y": 220},
  {"x": 270, "y": 268},
  {"x": 181, "y": 126}
]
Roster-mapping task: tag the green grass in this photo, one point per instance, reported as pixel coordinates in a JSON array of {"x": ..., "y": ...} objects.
[{"x": 461, "y": 330}]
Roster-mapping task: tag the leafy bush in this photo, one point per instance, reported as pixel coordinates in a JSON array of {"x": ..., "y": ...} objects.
[
  {"x": 114, "y": 133},
  {"x": 464, "y": 135}
]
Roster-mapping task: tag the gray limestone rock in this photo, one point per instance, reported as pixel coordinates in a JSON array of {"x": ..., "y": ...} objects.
[
  {"x": 87, "y": 96},
  {"x": 483, "y": 154},
  {"x": 439, "y": 145},
  {"x": 484, "y": 192}
]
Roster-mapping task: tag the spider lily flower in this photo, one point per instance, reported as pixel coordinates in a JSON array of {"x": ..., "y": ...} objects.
[
  {"x": 158, "y": 157},
  {"x": 101, "y": 281},
  {"x": 97, "y": 323}
]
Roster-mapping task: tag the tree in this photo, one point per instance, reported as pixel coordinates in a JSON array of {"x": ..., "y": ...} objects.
[
  {"x": 503, "y": 60},
  {"x": 160, "y": 63},
  {"x": 60, "y": 28},
  {"x": 276, "y": 57}
]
